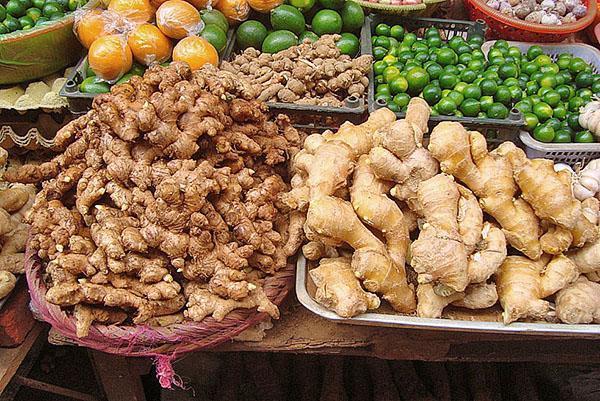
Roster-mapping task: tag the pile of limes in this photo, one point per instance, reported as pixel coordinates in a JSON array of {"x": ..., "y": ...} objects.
[
  {"x": 288, "y": 25},
  {"x": 455, "y": 78},
  {"x": 25, "y": 14}
]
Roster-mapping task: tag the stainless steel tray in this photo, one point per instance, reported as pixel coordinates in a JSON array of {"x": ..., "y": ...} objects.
[{"x": 303, "y": 292}]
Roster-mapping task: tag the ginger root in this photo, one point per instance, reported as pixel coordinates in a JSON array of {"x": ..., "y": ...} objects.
[{"x": 579, "y": 302}]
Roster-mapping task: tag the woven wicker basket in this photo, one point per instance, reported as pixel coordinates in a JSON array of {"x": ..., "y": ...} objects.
[{"x": 164, "y": 344}]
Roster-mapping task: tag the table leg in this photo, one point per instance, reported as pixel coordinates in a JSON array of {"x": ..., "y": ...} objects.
[{"x": 119, "y": 376}]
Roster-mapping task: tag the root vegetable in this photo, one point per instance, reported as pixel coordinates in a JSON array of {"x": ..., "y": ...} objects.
[
  {"x": 7, "y": 283},
  {"x": 579, "y": 302}
]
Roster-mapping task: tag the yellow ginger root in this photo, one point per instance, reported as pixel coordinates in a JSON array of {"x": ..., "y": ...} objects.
[
  {"x": 378, "y": 211},
  {"x": 86, "y": 315},
  {"x": 7, "y": 283},
  {"x": 166, "y": 289},
  {"x": 339, "y": 290},
  {"x": 579, "y": 302},
  {"x": 202, "y": 303},
  {"x": 489, "y": 254},
  {"x": 587, "y": 258},
  {"x": 12, "y": 255},
  {"x": 548, "y": 194},
  {"x": 371, "y": 262},
  {"x": 490, "y": 176},
  {"x": 523, "y": 284},
  {"x": 13, "y": 199},
  {"x": 556, "y": 240},
  {"x": 399, "y": 156},
  {"x": 475, "y": 296},
  {"x": 315, "y": 250}
]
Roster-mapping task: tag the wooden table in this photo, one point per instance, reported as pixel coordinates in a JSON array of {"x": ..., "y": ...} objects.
[{"x": 300, "y": 331}]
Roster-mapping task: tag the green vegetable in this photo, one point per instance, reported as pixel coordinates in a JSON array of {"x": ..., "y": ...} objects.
[
  {"x": 251, "y": 34},
  {"x": 94, "y": 85},
  {"x": 348, "y": 44},
  {"x": 286, "y": 17},
  {"x": 279, "y": 40},
  {"x": 326, "y": 22}
]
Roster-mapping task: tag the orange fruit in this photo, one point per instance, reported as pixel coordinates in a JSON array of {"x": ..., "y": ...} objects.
[
  {"x": 157, "y": 3},
  {"x": 139, "y": 11},
  {"x": 110, "y": 57},
  {"x": 235, "y": 11},
  {"x": 202, "y": 4},
  {"x": 148, "y": 44},
  {"x": 91, "y": 25},
  {"x": 178, "y": 19},
  {"x": 195, "y": 51}
]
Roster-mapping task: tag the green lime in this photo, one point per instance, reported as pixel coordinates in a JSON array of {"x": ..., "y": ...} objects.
[
  {"x": 562, "y": 136},
  {"x": 383, "y": 89},
  {"x": 307, "y": 35},
  {"x": 575, "y": 67},
  {"x": 3, "y": 29},
  {"x": 27, "y": 3},
  {"x": 51, "y": 8},
  {"x": 452, "y": 69},
  {"x": 534, "y": 51},
  {"x": 508, "y": 71},
  {"x": 94, "y": 85},
  {"x": 332, "y": 4},
  {"x": 353, "y": 16},
  {"x": 455, "y": 42},
  {"x": 564, "y": 62},
  {"x": 421, "y": 57},
  {"x": 379, "y": 79},
  {"x": 379, "y": 67},
  {"x": 409, "y": 38},
  {"x": 446, "y": 56},
  {"x": 432, "y": 94},
  {"x": 475, "y": 39},
  {"x": 383, "y": 96},
  {"x": 472, "y": 91},
  {"x": 417, "y": 79},
  {"x": 565, "y": 92},
  {"x": 511, "y": 82},
  {"x": 397, "y": 31},
  {"x": 548, "y": 80},
  {"x": 497, "y": 110},
  {"x": 523, "y": 106},
  {"x": 485, "y": 102},
  {"x": 554, "y": 123},
  {"x": 575, "y": 103},
  {"x": 398, "y": 85},
  {"x": 379, "y": 53},
  {"x": 26, "y": 21},
  {"x": 560, "y": 111},
  {"x": 42, "y": 20},
  {"x": 402, "y": 99},
  {"x": 584, "y": 137},
  {"x": 34, "y": 13},
  {"x": 549, "y": 68},
  {"x": 529, "y": 68},
  {"x": 393, "y": 107},
  {"x": 303, "y": 5},
  {"x": 573, "y": 121},
  {"x": 446, "y": 106},
  {"x": 431, "y": 32},
  {"x": 542, "y": 59},
  {"x": 349, "y": 44},
  {"x": 383, "y": 30},
  {"x": 215, "y": 17},
  {"x": 38, "y": 3},
  {"x": 289, "y": 18},
  {"x": 552, "y": 98},
  {"x": 216, "y": 37},
  {"x": 382, "y": 41},
  {"x": 460, "y": 87},
  {"x": 434, "y": 70},
  {"x": 2, "y": 13},
  {"x": 586, "y": 94},
  {"x": 596, "y": 86},
  {"x": 390, "y": 60},
  {"x": 447, "y": 81},
  {"x": 488, "y": 87},
  {"x": 584, "y": 79},
  {"x": 279, "y": 40},
  {"x": 11, "y": 23},
  {"x": 531, "y": 120},
  {"x": 468, "y": 76},
  {"x": 434, "y": 42},
  {"x": 456, "y": 97},
  {"x": 465, "y": 58},
  {"x": 543, "y": 133},
  {"x": 476, "y": 65},
  {"x": 543, "y": 111},
  {"x": 535, "y": 99},
  {"x": 250, "y": 34},
  {"x": 326, "y": 22},
  {"x": 516, "y": 93},
  {"x": 390, "y": 73},
  {"x": 16, "y": 9},
  {"x": 503, "y": 95},
  {"x": 470, "y": 107}
]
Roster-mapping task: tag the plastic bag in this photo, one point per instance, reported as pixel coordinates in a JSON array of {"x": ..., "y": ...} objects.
[
  {"x": 110, "y": 57},
  {"x": 149, "y": 45},
  {"x": 178, "y": 19},
  {"x": 138, "y": 11},
  {"x": 235, "y": 11},
  {"x": 91, "y": 24}
]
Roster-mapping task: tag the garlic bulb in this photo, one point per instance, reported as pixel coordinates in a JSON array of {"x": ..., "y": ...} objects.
[
  {"x": 495, "y": 4},
  {"x": 589, "y": 117},
  {"x": 535, "y": 17},
  {"x": 579, "y": 11},
  {"x": 587, "y": 183},
  {"x": 550, "y": 19}
]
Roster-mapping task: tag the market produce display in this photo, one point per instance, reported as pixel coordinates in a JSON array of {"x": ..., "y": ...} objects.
[
  {"x": 163, "y": 200},
  {"x": 457, "y": 79},
  {"x": 288, "y": 26},
  {"x": 472, "y": 208},
  {"x": 127, "y": 37},
  {"x": 23, "y": 15},
  {"x": 546, "y": 12},
  {"x": 314, "y": 73}
]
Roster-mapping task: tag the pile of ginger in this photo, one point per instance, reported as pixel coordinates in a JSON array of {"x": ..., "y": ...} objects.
[
  {"x": 311, "y": 73},
  {"x": 162, "y": 203},
  {"x": 429, "y": 227}
]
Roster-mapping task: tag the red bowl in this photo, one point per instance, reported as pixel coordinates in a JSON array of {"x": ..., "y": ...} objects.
[{"x": 504, "y": 27}]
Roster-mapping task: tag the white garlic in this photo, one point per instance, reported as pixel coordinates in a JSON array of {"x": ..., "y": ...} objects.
[
  {"x": 547, "y": 4},
  {"x": 535, "y": 17},
  {"x": 570, "y": 4},
  {"x": 560, "y": 8},
  {"x": 579, "y": 11},
  {"x": 495, "y": 4},
  {"x": 550, "y": 19}
]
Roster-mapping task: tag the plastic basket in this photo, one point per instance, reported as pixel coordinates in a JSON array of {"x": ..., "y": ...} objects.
[
  {"x": 568, "y": 153},
  {"x": 354, "y": 109},
  {"x": 505, "y": 27},
  {"x": 495, "y": 130},
  {"x": 588, "y": 53},
  {"x": 79, "y": 102}
]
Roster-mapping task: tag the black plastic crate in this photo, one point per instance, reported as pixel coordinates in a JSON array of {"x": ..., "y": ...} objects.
[
  {"x": 495, "y": 130},
  {"x": 354, "y": 110},
  {"x": 79, "y": 102}
]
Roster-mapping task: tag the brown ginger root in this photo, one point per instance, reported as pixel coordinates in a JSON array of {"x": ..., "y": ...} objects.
[
  {"x": 579, "y": 302},
  {"x": 339, "y": 290},
  {"x": 475, "y": 296},
  {"x": 13, "y": 199},
  {"x": 7, "y": 283},
  {"x": 86, "y": 315}
]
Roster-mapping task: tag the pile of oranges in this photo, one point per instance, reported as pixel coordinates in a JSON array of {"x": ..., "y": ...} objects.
[{"x": 126, "y": 32}]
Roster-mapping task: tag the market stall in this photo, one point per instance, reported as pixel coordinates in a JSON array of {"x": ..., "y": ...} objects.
[{"x": 337, "y": 178}]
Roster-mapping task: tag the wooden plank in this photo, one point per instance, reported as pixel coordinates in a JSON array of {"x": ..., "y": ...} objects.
[
  {"x": 11, "y": 358},
  {"x": 116, "y": 377},
  {"x": 51, "y": 388}
]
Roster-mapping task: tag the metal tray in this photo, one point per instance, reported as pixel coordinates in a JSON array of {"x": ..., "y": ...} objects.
[{"x": 303, "y": 293}]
